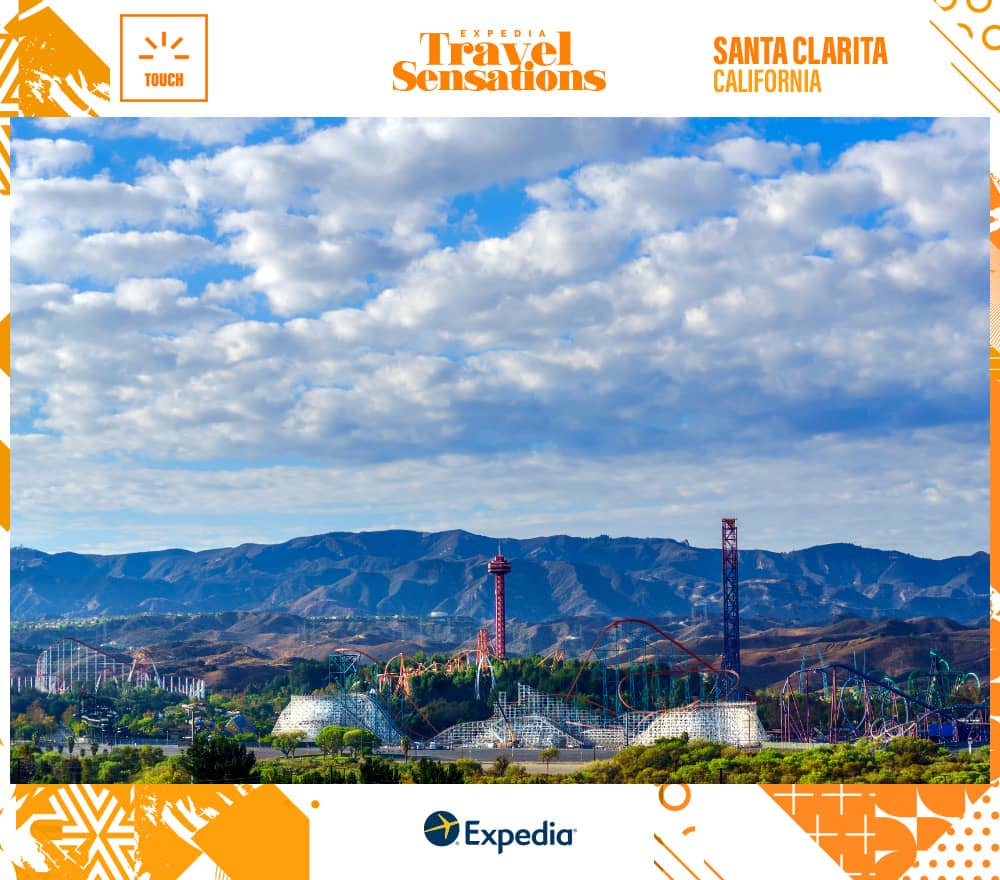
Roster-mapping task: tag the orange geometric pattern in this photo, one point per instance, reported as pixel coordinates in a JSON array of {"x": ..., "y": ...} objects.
[
  {"x": 8, "y": 103},
  {"x": 875, "y": 832},
  {"x": 972, "y": 31},
  {"x": 234, "y": 826},
  {"x": 156, "y": 832},
  {"x": 81, "y": 832},
  {"x": 970, "y": 850},
  {"x": 58, "y": 73}
]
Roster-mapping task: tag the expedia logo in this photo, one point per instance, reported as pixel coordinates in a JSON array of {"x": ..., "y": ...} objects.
[{"x": 442, "y": 828}]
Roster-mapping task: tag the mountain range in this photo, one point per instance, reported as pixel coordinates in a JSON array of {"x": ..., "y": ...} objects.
[{"x": 444, "y": 573}]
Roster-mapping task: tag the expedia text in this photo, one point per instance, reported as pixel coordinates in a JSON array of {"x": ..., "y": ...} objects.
[{"x": 501, "y": 838}]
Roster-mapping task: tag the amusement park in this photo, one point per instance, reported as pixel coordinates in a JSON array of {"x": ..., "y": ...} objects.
[{"x": 635, "y": 685}]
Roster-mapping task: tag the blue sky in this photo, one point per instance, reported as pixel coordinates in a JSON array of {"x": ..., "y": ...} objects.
[{"x": 246, "y": 330}]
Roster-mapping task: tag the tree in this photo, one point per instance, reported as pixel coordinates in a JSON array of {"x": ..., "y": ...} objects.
[
  {"x": 23, "y": 763},
  {"x": 70, "y": 744},
  {"x": 331, "y": 739},
  {"x": 357, "y": 740},
  {"x": 353, "y": 739},
  {"x": 376, "y": 770},
  {"x": 404, "y": 745},
  {"x": 287, "y": 743},
  {"x": 427, "y": 772},
  {"x": 217, "y": 758},
  {"x": 93, "y": 748},
  {"x": 548, "y": 755}
]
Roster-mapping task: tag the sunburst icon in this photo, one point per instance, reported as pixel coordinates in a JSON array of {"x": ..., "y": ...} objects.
[
  {"x": 177, "y": 56},
  {"x": 164, "y": 57}
]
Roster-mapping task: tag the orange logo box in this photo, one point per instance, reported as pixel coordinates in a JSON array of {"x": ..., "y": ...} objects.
[{"x": 164, "y": 57}]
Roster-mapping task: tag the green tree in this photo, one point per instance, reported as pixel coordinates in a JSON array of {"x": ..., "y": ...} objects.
[
  {"x": 217, "y": 758},
  {"x": 427, "y": 772},
  {"x": 331, "y": 739},
  {"x": 287, "y": 743},
  {"x": 377, "y": 770},
  {"x": 70, "y": 744},
  {"x": 358, "y": 740},
  {"x": 548, "y": 755}
]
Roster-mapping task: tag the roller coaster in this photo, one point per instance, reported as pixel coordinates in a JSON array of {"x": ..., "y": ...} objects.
[
  {"x": 640, "y": 683},
  {"x": 70, "y": 664},
  {"x": 837, "y": 702}
]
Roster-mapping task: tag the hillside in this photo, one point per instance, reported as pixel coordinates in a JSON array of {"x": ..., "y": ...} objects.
[
  {"x": 232, "y": 649},
  {"x": 414, "y": 573}
]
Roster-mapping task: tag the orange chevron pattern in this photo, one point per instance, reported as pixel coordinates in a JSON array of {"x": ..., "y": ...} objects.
[
  {"x": 8, "y": 75},
  {"x": 8, "y": 104},
  {"x": 83, "y": 832}
]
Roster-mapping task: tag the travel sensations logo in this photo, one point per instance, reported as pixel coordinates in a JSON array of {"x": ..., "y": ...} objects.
[
  {"x": 442, "y": 828},
  {"x": 496, "y": 60}
]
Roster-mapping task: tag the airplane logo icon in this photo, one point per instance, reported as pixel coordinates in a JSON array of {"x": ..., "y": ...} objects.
[{"x": 441, "y": 828}]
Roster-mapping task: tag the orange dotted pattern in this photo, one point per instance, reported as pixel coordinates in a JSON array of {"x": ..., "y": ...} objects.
[
  {"x": 970, "y": 850},
  {"x": 876, "y": 831}
]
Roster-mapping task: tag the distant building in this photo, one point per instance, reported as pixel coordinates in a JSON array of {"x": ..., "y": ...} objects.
[{"x": 239, "y": 724}]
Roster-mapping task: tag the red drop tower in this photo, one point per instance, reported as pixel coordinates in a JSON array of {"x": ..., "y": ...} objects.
[{"x": 499, "y": 568}]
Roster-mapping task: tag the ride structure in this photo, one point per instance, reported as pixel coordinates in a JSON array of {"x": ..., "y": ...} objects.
[
  {"x": 730, "y": 601},
  {"x": 499, "y": 567},
  {"x": 70, "y": 664},
  {"x": 838, "y": 702},
  {"x": 635, "y": 684}
]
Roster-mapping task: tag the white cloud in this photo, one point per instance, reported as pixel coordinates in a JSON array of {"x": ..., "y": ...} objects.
[
  {"x": 87, "y": 204},
  {"x": 324, "y": 302},
  {"x": 934, "y": 181},
  {"x": 760, "y": 156},
  {"x": 106, "y": 256},
  {"x": 37, "y": 157},
  {"x": 204, "y": 132},
  {"x": 836, "y": 489}
]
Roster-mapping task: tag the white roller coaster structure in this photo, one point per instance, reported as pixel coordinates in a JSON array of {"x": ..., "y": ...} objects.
[{"x": 70, "y": 663}]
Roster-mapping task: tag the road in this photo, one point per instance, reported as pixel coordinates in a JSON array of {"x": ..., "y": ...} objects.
[{"x": 568, "y": 760}]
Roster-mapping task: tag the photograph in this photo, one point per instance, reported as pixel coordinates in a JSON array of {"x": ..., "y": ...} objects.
[{"x": 499, "y": 450}]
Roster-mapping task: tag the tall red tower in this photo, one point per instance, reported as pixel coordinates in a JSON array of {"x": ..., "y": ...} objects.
[{"x": 499, "y": 568}]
